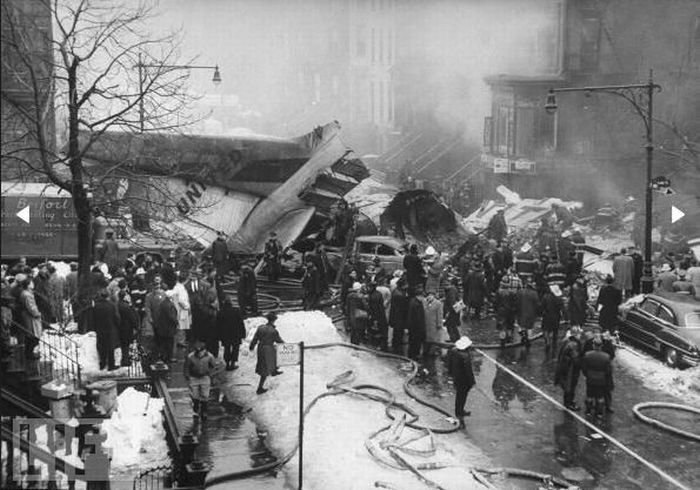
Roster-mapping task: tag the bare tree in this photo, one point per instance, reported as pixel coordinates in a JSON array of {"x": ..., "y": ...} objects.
[{"x": 98, "y": 70}]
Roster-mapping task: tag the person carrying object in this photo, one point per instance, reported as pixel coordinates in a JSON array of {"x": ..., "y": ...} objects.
[{"x": 199, "y": 366}]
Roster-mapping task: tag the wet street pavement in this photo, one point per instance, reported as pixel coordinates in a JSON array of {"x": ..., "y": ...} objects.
[
  {"x": 228, "y": 440},
  {"x": 515, "y": 426},
  {"x": 519, "y": 428}
]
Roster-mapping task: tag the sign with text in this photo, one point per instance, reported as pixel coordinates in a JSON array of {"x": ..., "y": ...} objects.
[
  {"x": 288, "y": 354},
  {"x": 38, "y": 226},
  {"x": 501, "y": 166}
]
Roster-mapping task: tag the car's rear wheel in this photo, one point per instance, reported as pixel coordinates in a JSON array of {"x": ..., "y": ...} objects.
[{"x": 671, "y": 356}]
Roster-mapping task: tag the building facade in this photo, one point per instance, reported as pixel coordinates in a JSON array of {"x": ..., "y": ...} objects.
[
  {"x": 592, "y": 149},
  {"x": 27, "y": 117}
]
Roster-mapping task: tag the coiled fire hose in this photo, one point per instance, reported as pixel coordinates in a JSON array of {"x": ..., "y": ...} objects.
[
  {"x": 637, "y": 410},
  {"x": 408, "y": 418}
]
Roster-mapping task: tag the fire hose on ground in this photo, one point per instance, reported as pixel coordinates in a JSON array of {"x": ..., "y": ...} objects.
[
  {"x": 637, "y": 410},
  {"x": 408, "y": 418}
]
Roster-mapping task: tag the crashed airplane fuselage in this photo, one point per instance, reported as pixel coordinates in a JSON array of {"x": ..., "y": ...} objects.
[{"x": 243, "y": 186}]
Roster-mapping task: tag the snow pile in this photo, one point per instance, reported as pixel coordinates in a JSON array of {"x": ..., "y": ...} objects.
[
  {"x": 87, "y": 352},
  {"x": 135, "y": 433},
  {"x": 338, "y": 426},
  {"x": 684, "y": 384}
]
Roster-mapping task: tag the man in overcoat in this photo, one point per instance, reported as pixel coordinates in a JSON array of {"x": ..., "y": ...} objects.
[{"x": 459, "y": 363}]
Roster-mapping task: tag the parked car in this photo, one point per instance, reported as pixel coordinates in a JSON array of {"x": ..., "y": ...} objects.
[
  {"x": 390, "y": 251},
  {"x": 668, "y": 324}
]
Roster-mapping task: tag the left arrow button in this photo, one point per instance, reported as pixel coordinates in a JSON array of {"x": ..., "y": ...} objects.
[{"x": 24, "y": 214}]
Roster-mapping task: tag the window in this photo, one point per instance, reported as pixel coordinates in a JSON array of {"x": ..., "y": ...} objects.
[
  {"x": 649, "y": 306},
  {"x": 373, "y": 40},
  {"x": 488, "y": 134},
  {"x": 590, "y": 39},
  {"x": 367, "y": 247},
  {"x": 385, "y": 250},
  {"x": 666, "y": 315},
  {"x": 692, "y": 320}
]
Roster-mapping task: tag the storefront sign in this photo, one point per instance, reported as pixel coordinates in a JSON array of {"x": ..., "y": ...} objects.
[{"x": 501, "y": 166}]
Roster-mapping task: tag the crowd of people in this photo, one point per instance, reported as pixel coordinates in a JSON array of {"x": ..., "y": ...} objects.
[{"x": 179, "y": 303}]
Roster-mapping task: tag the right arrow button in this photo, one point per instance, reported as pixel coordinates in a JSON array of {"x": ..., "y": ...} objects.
[{"x": 676, "y": 214}]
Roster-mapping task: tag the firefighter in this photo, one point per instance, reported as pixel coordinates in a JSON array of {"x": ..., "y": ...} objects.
[{"x": 273, "y": 257}]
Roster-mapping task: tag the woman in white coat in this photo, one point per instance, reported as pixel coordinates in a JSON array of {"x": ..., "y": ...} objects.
[{"x": 184, "y": 314}]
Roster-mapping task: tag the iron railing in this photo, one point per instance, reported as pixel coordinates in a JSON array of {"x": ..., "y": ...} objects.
[{"x": 58, "y": 356}]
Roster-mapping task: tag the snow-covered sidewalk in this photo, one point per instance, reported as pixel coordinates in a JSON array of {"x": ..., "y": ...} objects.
[
  {"x": 682, "y": 383},
  {"x": 337, "y": 427}
]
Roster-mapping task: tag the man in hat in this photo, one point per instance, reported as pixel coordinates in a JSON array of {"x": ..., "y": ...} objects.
[
  {"x": 110, "y": 250},
  {"x": 572, "y": 268},
  {"x": 248, "y": 291},
  {"x": 41, "y": 292},
  {"x": 623, "y": 270},
  {"x": 377, "y": 316},
  {"x": 413, "y": 265},
  {"x": 398, "y": 315},
  {"x": 273, "y": 257},
  {"x": 474, "y": 289},
  {"x": 683, "y": 285},
  {"x": 356, "y": 308},
  {"x": 459, "y": 363},
  {"x": 552, "y": 314},
  {"x": 219, "y": 254},
  {"x": 378, "y": 271},
  {"x": 416, "y": 322},
  {"x": 266, "y": 336},
  {"x": 138, "y": 290},
  {"x": 569, "y": 367},
  {"x": 608, "y": 302},
  {"x": 452, "y": 309},
  {"x": 528, "y": 309},
  {"x": 152, "y": 312},
  {"x": 665, "y": 278},
  {"x": 506, "y": 306},
  {"x": 311, "y": 283},
  {"x": 597, "y": 368},
  {"x": 638, "y": 261}
]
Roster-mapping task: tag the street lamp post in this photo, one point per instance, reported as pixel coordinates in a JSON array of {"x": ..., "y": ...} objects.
[
  {"x": 635, "y": 95},
  {"x": 140, "y": 65}
]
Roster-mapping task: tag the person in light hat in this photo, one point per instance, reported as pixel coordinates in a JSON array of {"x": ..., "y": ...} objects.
[
  {"x": 666, "y": 278},
  {"x": 459, "y": 363},
  {"x": 357, "y": 313},
  {"x": 138, "y": 290}
]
